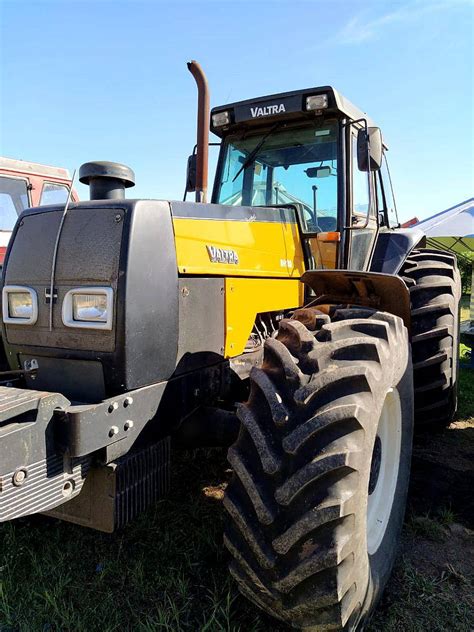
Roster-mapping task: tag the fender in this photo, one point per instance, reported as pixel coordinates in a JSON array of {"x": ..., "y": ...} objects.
[{"x": 385, "y": 292}]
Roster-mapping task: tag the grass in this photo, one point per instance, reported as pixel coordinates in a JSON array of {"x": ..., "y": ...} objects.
[
  {"x": 424, "y": 602},
  {"x": 466, "y": 393},
  {"x": 446, "y": 516},
  {"x": 167, "y": 571},
  {"x": 79, "y": 578},
  {"x": 426, "y": 527}
]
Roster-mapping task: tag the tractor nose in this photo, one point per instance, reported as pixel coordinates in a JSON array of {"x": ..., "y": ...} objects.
[{"x": 106, "y": 180}]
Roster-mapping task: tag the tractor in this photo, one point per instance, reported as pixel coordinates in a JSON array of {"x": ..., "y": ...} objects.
[
  {"x": 24, "y": 184},
  {"x": 290, "y": 320}
]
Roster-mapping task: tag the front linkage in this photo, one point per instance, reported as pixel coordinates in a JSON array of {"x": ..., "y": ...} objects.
[{"x": 48, "y": 446}]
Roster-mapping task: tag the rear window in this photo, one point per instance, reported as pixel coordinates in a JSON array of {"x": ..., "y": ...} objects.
[
  {"x": 13, "y": 200},
  {"x": 54, "y": 193}
]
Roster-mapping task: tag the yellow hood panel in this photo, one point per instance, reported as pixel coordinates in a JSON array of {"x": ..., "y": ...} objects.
[{"x": 262, "y": 249}]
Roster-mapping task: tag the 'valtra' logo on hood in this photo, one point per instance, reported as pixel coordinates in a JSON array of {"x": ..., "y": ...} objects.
[{"x": 267, "y": 110}]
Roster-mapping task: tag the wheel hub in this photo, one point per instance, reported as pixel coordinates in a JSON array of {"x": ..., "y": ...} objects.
[{"x": 375, "y": 465}]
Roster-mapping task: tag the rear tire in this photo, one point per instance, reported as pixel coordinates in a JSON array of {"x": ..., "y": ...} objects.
[
  {"x": 434, "y": 282},
  {"x": 302, "y": 528}
]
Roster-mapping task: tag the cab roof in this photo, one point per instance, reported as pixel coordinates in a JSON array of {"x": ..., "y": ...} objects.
[
  {"x": 285, "y": 105},
  {"x": 32, "y": 168}
]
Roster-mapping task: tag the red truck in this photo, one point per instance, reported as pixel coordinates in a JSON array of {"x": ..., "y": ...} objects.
[{"x": 24, "y": 184}]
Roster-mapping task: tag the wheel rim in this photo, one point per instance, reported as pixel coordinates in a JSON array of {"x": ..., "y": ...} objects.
[{"x": 384, "y": 470}]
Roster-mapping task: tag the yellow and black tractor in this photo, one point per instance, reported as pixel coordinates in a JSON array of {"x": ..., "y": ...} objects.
[{"x": 291, "y": 319}]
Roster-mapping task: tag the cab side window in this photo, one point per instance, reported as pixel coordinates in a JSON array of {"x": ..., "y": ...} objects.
[
  {"x": 54, "y": 193},
  {"x": 381, "y": 206},
  {"x": 13, "y": 200},
  {"x": 389, "y": 207}
]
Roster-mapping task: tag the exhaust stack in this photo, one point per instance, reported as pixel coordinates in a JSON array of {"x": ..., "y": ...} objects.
[
  {"x": 202, "y": 130},
  {"x": 106, "y": 180}
]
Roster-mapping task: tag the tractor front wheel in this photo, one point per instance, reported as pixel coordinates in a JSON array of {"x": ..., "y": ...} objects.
[{"x": 321, "y": 467}]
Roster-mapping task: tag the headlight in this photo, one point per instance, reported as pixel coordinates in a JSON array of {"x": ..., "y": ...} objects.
[
  {"x": 88, "y": 307},
  {"x": 219, "y": 119},
  {"x": 19, "y": 305},
  {"x": 317, "y": 102}
]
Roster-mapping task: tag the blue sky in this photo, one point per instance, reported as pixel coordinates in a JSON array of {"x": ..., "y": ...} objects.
[{"x": 107, "y": 80}]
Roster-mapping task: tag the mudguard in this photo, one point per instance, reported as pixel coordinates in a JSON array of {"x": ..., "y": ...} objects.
[{"x": 385, "y": 292}]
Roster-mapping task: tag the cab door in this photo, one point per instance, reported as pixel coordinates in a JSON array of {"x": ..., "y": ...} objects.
[{"x": 363, "y": 220}]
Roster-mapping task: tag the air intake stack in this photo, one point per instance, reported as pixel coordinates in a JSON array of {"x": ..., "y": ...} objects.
[{"x": 106, "y": 180}]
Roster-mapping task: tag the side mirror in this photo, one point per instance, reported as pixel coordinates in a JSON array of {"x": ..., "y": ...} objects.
[
  {"x": 318, "y": 172},
  {"x": 191, "y": 174},
  {"x": 374, "y": 140}
]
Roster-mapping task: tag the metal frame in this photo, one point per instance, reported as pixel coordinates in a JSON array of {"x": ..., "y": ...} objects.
[{"x": 83, "y": 429}]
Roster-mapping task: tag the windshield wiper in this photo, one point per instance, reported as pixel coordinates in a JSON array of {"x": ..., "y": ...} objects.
[{"x": 255, "y": 150}]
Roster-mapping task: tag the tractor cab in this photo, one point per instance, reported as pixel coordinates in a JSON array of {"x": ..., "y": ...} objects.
[{"x": 309, "y": 150}]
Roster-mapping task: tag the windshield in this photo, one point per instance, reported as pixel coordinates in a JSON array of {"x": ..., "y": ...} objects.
[
  {"x": 286, "y": 166},
  {"x": 13, "y": 200}
]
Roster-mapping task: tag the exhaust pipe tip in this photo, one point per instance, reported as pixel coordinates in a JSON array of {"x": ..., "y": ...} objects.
[{"x": 106, "y": 180}]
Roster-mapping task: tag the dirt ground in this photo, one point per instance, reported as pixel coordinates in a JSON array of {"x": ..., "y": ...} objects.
[{"x": 432, "y": 587}]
